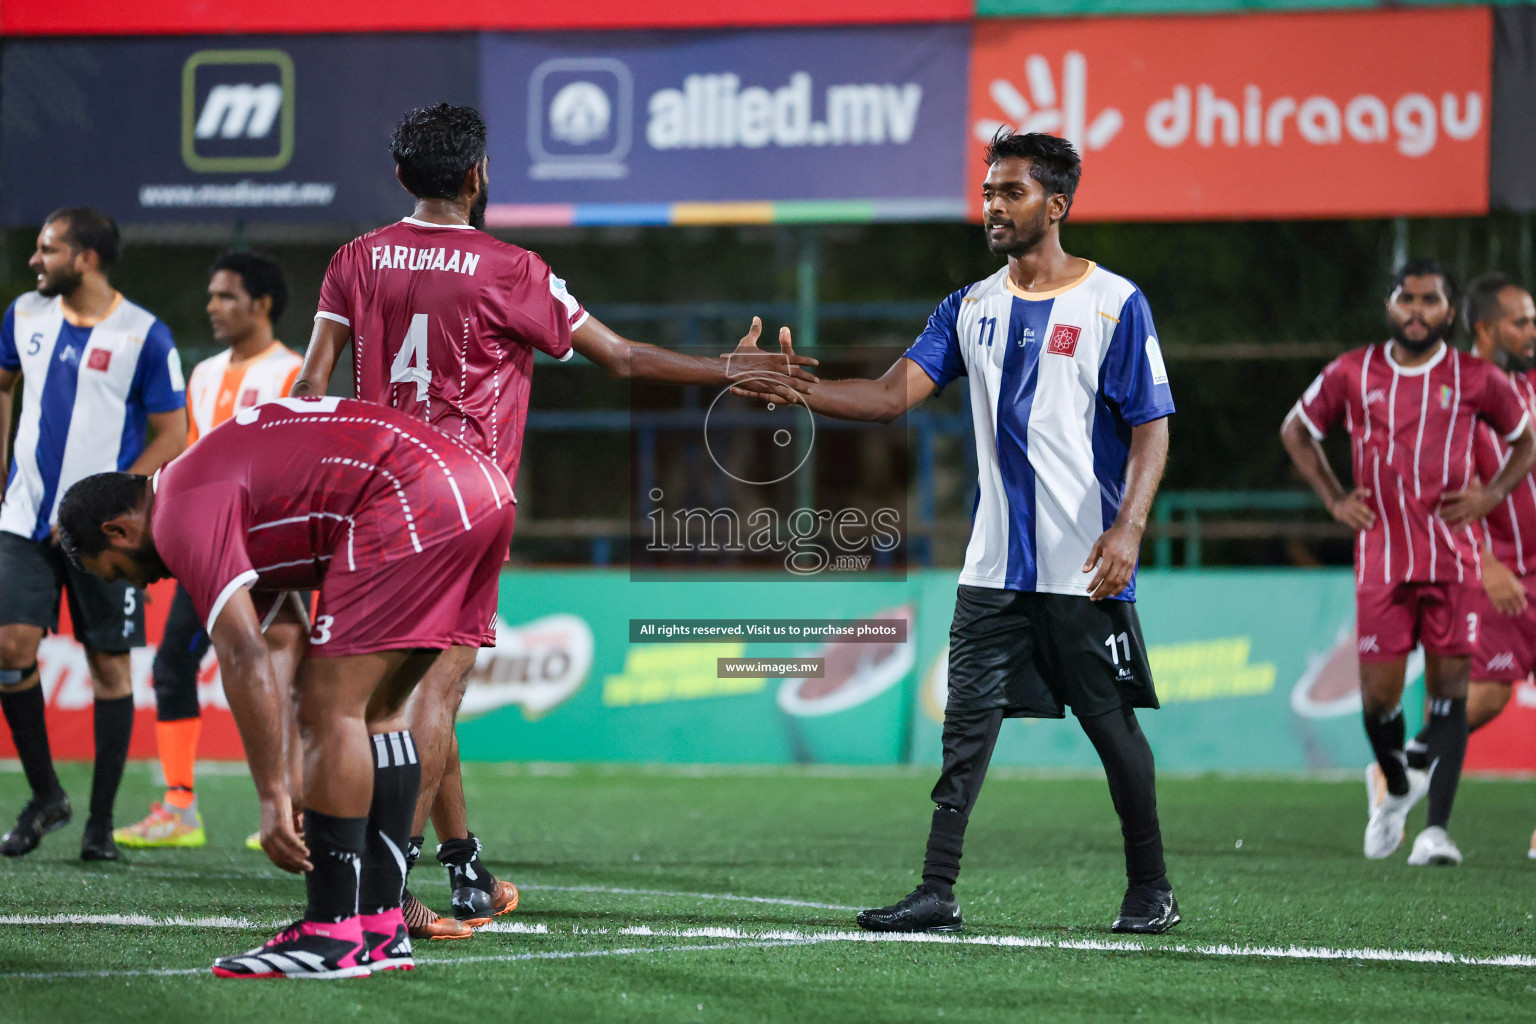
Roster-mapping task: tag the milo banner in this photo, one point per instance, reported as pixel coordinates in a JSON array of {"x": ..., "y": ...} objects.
[
  {"x": 1256, "y": 670},
  {"x": 565, "y": 682}
]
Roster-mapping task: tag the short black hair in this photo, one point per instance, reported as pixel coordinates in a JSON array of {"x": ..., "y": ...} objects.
[
  {"x": 1053, "y": 162},
  {"x": 91, "y": 502},
  {"x": 435, "y": 147},
  {"x": 1426, "y": 267},
  {"x": 91, "y": 229},
  {"x": 1482, "y": 302},
  {"x": 259, "y": 274}
]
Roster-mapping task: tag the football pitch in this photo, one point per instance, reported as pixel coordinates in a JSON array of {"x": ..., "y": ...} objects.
[{"x": 729, "y": 894}]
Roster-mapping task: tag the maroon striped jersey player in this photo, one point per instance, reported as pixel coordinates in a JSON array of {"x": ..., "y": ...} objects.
[
  {"x": 1511, "y": 524},
  {"x": 1411, "y": 436},
  {"x": 1506, "y": 644},
  {"x": 402, "y": 529},
  {"x": 445, "y": 320}
]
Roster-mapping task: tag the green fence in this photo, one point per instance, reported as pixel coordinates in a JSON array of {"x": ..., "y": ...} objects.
[{"x": 1255, "y": 669}]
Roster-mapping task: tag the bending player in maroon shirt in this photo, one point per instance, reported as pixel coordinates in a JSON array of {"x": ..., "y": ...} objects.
[
  {"x": 1500, "y": 316},
  {"x": 403, "y": 531},
  {"x": 1411, "y": 407},
  {"x": 444, "y": 320}
]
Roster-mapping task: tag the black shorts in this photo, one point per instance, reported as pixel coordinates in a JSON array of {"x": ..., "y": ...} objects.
[
  {"x": 1033, "y": 655},
  {"x": 106, "y": 616}
]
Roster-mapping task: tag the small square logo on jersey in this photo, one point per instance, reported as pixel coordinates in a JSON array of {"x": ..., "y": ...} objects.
[
  {"x": 248, "y": 398},
  {"x": 99, "y": 359},
  {"x": 237, "y": 111},
  {"x": 1064, "y": 340}
]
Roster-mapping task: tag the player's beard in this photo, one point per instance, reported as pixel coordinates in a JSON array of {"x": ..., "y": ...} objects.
[
  {"x": 1025, "y": 237},
  {"x": 1431, "y": 338},
  {"x": 148, "y": 560},
  {"x": 477, "y": 211},
  {"x": 61, "y": 282}
]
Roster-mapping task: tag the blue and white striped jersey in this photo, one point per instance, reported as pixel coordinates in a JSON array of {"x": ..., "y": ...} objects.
[
  {"x": 1057, "y": 381},
  {"x": 88, "y": 392}
]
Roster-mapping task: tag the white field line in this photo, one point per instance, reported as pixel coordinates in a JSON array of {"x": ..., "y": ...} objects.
[
  {"x": 507, "y": 958},
  {"x": 1427, "y": 956},
  {"x": 740, "y": 936},
  {"x": 177, "y": 873},
  {"x": 776, "y": 901},
  {"x": 137, "y": 920}
]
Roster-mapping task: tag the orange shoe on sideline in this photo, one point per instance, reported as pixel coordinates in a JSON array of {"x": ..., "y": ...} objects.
[
  {"x": 423, "y": 923},
  {"x": 503, "y": 901}
]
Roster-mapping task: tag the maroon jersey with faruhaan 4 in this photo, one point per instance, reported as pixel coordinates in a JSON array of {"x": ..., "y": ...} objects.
[
  {"x": 445, "y": 320},
  {"x": 1512, "y": 524},
  {"x": 1411, "y": 431},
  {"x": 298, "y": 493}
]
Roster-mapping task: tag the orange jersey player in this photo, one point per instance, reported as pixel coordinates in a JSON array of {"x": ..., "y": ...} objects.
[{"x": 246, "y": 295}]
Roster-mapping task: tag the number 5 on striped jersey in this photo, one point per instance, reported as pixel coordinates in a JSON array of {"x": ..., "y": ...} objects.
[{"x": 411, "y": 361}]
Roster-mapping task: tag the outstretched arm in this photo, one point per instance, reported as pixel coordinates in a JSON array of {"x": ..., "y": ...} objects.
[
  {"x": 632, "y": 360},
  {"x": 1350, "y": 508},
  {"x": 900, "y": 388},
  {"x": 327, "y": 342},
  {"x": 1113, "y": 557}
]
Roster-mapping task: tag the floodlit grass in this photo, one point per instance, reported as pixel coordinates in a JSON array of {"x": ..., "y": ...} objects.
[{"x": 601, "y": 853}]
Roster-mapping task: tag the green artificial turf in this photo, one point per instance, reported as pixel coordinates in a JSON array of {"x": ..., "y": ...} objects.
[{"x": 1255, "y": 862}]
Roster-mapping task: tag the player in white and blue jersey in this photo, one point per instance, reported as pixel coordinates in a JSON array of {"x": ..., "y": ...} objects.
[
  {"x": 102, "y": 391},
  {"x": 1070, "y": 400}
]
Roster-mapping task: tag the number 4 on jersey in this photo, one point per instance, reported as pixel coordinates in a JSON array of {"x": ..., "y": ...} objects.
[{"x": 411, "y": 361}]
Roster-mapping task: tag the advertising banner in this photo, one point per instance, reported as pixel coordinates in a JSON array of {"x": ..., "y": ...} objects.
[
  {"x": 1512, "y": 180},
  {"x": 1256, "y": 671},
  {"x": 565, "y": 683},
  {"x": 184, "y": 17},
  {"x": 630, "y": 127},
  {"x": 66, "y": 683},
  {"x": 1057, "y": 8},
  {"x": 1252, "y": 116},
  {"x": 216, "y": 130}
]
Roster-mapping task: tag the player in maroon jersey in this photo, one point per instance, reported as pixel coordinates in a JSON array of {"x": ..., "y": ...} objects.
[
  {"x": 1501, "y": 318},
  {"x": 403, "y": 531},
  {"x": 444, "y": 321},
  {"x": 1412, "y": 407}
]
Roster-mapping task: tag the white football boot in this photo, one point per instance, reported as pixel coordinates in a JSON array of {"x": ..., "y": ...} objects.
[
  {"x": 1389, "y": 814},
  {"x": 1433, "y": 846}
]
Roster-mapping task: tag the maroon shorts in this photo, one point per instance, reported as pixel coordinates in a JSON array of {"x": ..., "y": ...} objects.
[
  {"x": 440, "y": 597},
  {"x": 1506, "y": 644},
  {"x": 1390, "y": 620}
]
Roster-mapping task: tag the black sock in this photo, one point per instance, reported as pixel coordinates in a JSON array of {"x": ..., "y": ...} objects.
[
  {"x": 336, "y": 851},
  {"x": 396, "y": 782},
  {"x": 941, "y": 865},
  {"x": 462, "y": 859},
  {"x": 1386, "y": 733},
  {"x": 1446, "y": 743},
  {"x": 29, "y": 731},
  {"x": 114, "y": 729},
  {"x": 1416, "y": 754},
  {"x": 1132, "y": 776},
  {"x": 413, "y": 852}
]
